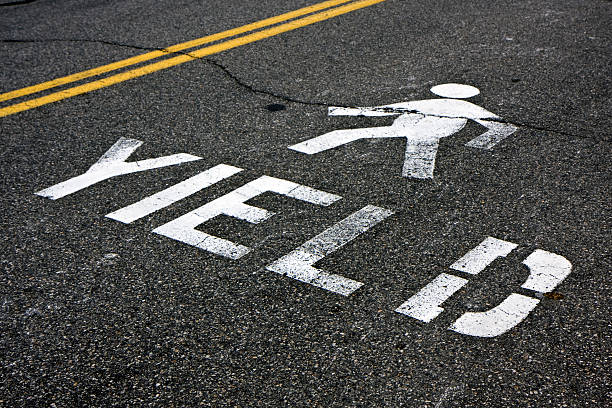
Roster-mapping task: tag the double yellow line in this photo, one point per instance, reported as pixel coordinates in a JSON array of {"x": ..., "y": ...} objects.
[{"x": 322, "y": 11}]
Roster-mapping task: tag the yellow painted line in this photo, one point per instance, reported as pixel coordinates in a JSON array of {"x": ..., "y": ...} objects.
[
  {"x": 171, "y": 62},
  {"x": 175, "y": 48}
]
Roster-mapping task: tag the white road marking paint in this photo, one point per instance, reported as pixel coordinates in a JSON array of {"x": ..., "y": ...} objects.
[
  {"x": 425, "y": 305},
  {"x": 298, "y": 263},
  {"x": 422, "y": 123},
  {"x": 459, "y": 91},
  {"x": 112, "y": 164},
  {"x": 448, "y": 394},
  {"x": 483, "y": 255},
  {"x": 173, "y": 194},
  {"x": 496, "y": 133},
  {"x": 422, "y": 136},
  {"x": 547, "y": 271},
  {"x": 498, "y": 320},
  {"x": 232, "y": 204}
]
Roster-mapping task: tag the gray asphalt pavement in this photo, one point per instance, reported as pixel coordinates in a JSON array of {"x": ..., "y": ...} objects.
[{"x": 96, "y": 312}]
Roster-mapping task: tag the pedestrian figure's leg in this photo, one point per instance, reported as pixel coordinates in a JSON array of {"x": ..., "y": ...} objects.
[
  {"x": 420, "y": 158},
  {"x": 422, "y": 141},
  {"x": 422, "y": 135},
  {"x": 496, "y": 132}
]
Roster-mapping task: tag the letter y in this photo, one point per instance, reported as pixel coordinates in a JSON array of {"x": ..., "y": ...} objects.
[{"x": 113, "y": 163}]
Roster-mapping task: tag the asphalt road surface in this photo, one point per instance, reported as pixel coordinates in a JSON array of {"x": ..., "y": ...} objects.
[{"x": 281, "y": 264}]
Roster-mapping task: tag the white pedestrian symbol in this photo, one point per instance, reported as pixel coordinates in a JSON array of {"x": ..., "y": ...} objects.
[{"x": 422, "y": 123}]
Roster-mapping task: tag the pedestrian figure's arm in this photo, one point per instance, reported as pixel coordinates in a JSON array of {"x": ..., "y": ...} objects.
[
  {"x": 497, "y": 131},
  {"x": 367, "y": 111}
]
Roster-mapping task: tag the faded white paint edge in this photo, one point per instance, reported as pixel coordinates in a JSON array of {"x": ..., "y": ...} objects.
[
  {"x": 483, "y": 255},
  {"x": 233, "y": 205},
  {"x": 425, "y": 305},
  {"x": 112, "y": 164},
  {"x": 173, "y": 194},
  {"x": 547, "y": 271},
  {"x": 363, "y": 111},
  {"x": 298, "y": 263},
  {"x": 494, "y": 322}
]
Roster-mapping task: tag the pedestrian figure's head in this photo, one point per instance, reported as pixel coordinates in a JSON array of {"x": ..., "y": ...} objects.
[{"x": 455, "y": 91}]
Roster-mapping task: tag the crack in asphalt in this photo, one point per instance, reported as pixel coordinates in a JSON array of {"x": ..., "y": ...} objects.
[
  {"x": 252, "y": 89},
  {"x": 17, "y": 3},
  {"x": 285, "y": 98},
  {"x": 113, "y": 43}
]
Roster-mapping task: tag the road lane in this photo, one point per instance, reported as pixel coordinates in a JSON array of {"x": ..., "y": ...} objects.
[
  {"x": 174, "y": 61},
  {"x": 167, "y": 50}
]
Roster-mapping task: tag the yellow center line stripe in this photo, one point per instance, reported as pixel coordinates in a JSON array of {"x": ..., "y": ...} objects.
[
  {"x": 171, "y": 62},
  {"x": 175, "y": 48}
]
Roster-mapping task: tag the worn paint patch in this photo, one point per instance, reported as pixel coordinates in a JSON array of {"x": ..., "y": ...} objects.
[
  {"x": 425, "y": 305},
  {"x": 233, "y": 205},
  {"x": 547, "y": 270},
  {"x": 483, "y": 255},
  {"x": 298, "y": 263}
]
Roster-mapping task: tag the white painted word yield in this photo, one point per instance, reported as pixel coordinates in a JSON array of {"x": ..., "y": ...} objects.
[
  {"x": 422, "y": 123},
  {"x": 296, "y": 265},
  {"x": 547, "y": 270}
]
